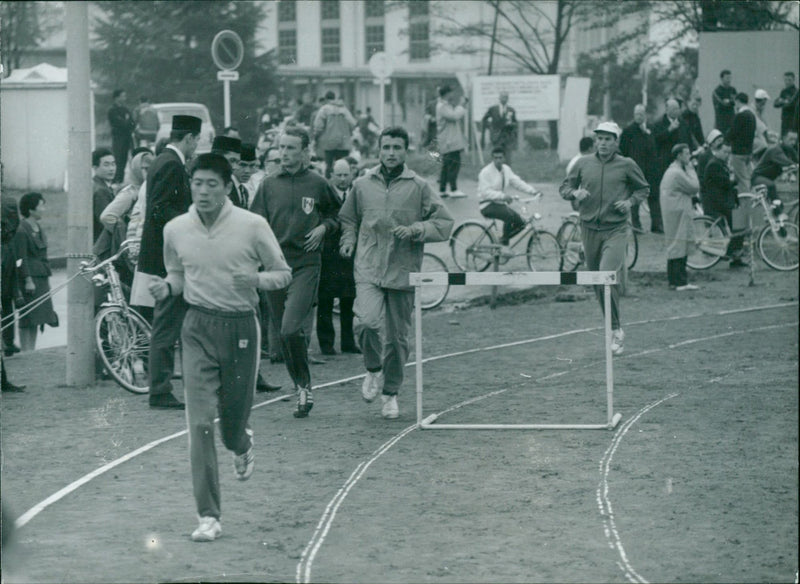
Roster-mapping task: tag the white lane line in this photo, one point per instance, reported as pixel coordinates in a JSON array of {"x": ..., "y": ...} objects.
[
  {"x": 303, "y": 570},
  {"x": 55, "y": 497}
]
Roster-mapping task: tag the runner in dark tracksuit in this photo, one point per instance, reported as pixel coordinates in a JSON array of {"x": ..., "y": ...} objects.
[
  {"x": 605, "y": 186},
  {"x": 301, "y": 208}
]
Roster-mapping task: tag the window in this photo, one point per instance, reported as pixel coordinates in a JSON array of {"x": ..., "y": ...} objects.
[
  {"x": 374, "y": 9},
  {"x": 374, "y": 39},
  {"x": 287, "y": 11},
  {"x": 330, "y": 9},
  {"x": 419, "y": 41},
  {"x": 287, "y": 47},
  {"x": 330, "y": 45},
  {"x": 418, "y": 8}
]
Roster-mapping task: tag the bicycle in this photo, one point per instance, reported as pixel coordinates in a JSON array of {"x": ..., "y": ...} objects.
[
  {"x": 122, "y": 335},
  {"x": 571, "y": 243},
  {"x": 776, "y": 242},
  {"x": 474, "y": 244}
]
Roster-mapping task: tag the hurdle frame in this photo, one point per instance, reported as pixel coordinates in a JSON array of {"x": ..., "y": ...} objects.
[{"x": 603, "y": 278}]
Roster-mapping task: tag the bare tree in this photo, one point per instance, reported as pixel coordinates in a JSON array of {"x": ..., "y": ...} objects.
[{"x": 23, "y": 26}]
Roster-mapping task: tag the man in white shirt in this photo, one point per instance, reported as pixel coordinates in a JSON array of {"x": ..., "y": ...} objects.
[{"x": 493, "y": 179}]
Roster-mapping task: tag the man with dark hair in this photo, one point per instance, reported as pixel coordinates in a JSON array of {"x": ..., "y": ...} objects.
[
  {"x": 450, "y": 111},
  {"x": 168, "y": 195},
  {"x": 391, "y": 238},
  {"x": 248, "y": 166},
  {"x": 604, "y": 187},
  {"x": 104, "y": 169},
  {"x": 585, "y": 146},
  {"x": 214, "y": 255},
  {"x": 667, "y": 132},
  {"x": 789, "y": 102},
  {"x": 122, "y": 126},
  {"x": 722, "y": 98},
  {"x": 333, "y": 128},
  {"x": 638, "y": 144},
  {"x": 775, "y": 160},
  {"x": 719, "y": 197},
  {"x": 501, "y": 121},
  {"x": 741, "y": 136},
  {"x": 231, "y": 150},
  {"x": 301, "y": 208},
  {"x": 231, "y": 132}
]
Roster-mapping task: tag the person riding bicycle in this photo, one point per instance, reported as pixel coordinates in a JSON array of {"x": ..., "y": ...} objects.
[
  {"x": 494, "y": 202},
  {"x": 776, "y": 159}
]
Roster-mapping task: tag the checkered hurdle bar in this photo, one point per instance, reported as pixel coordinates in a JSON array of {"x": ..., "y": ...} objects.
[{"x": 604, "y": 278}]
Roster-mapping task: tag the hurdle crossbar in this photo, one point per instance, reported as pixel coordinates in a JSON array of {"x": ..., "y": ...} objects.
[{"x": 600, "y": 278}]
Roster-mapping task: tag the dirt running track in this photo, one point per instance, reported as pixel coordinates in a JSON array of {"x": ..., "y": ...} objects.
[{"x": 698, "y": 483}]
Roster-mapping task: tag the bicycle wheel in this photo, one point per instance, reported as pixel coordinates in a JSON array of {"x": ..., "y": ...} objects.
[
  {"x": 122, "y": 338},
  {"x": 778, "y": 248},
  {"x": 632, "y": 252},
  {"x": 569, "y": 238},
  {"x": 710, "y": 243},
  {"x": 543, "y": 253},
  {"x": 466, "y": 243},
  {"x": 433, "y": 296},
  {"x": 793, "y": 213}
]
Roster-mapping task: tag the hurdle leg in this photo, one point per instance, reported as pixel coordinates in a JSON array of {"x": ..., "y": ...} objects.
[
  {"x": 418, "y": 348},
  {"x": 611, "y": 418}
]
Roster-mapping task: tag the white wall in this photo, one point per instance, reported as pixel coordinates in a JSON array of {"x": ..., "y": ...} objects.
[{"x": 34, "y": 137}]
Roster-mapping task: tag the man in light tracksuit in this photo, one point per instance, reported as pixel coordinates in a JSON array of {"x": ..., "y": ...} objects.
[
  {"x": 605, "y": 186},
  {"x": 212, "y": 256},
  {"x": 390, "y": 213}
]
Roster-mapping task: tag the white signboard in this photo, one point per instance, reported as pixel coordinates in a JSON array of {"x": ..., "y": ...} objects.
[{"x": 534, "y": 97}]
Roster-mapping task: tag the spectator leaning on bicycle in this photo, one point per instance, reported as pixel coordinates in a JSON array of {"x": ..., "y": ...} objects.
[
  {"x": 605, "y": 187},
  {"x": 494, "y": 202},
  {"x": 776, "y": 159}
]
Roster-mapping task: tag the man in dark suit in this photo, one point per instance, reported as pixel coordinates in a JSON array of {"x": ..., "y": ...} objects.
[
  {"x": 667, "y": 132},
  {"x": 122, "y": 126},
  {"x": 741, "y": 137},
  {"x": 719, "y": 197},
  {"x": 722, "y": 98},
  {"x": 168, "y": 195},
  {"x": 230, "y": 149},
  {"x": 104, "y": 169},
  {"x": 501, "y": 119},
  {"x": 8, "y": 281},
  {"x": 637, "y": 142}
]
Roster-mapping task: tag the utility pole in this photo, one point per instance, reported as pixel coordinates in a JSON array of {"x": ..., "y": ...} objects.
[
  {"x": 494, "y": 34},
  {"x": 80, "y": 293}
]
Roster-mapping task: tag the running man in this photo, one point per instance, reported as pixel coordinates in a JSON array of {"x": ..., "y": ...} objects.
[
  {"x": 212, "y": 255},
  {"x": 605, "y": 187}
]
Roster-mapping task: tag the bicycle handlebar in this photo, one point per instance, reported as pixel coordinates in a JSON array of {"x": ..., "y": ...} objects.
[{"x": 90, "y": 267}]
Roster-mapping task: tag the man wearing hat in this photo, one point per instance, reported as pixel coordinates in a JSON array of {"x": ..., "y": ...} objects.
[
  {"x": 604, "y": 187},
  {"x": 230, "y": 149},
  {"x": 715, "y": 137},
  {"x": 248, "y": 167},
  {"x": 760, "y": 140},
  {"x": 168, "y": 195}
]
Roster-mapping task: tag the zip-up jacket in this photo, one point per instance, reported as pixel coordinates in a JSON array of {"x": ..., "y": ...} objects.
[
  {"x": 374, "y": 208},
  {"x": 617, "y": 179},
  {"x": 293, "y": 205}
]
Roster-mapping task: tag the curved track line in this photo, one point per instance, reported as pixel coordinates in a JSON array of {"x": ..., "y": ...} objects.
[
  {"x": 303, "y": 570},
  {"x": 26, "y": 517}
]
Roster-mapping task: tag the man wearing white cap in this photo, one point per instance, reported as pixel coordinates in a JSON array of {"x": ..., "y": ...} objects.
[
  {"x": 760, "y": 141},
  {"x": 605, "y": 187}
]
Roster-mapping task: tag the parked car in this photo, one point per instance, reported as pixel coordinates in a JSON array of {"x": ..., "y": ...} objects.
[{"x": 167, "y": 110}]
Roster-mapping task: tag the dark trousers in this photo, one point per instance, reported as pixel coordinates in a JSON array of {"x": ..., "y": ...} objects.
[
  {"x": 332, "y": 156},
  {"x": 513, "y": 222},
  {"x": 451, "y": 165},
  {"x": 676, "y": 272},
  {"x": 120, "y": 147},
  {"x": 326, "y": 335},
  {"x": 656, "y": 222},
  {"x": 167, "y": 321},
  {"x": 772, "y": 191},
  {"x": 736, "y": 244},
  {"x": 8, "y": 320},
  {"x": 289, "y": 308}
]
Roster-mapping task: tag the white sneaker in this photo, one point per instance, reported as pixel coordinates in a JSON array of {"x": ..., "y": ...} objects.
[
  {"x": 372, "y": 385},
  {"x": 457, "y": 195},
  {"x": 617, "y": 338},
  {"x": 390, "y": 410},
  {"x": 208, "y": 530},
  {"x": 686, "y": 287},
  {"x": 243, "y": 464}
]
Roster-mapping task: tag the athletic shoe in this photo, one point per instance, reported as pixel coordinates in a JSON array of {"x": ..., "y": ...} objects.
[
  {"x": 617, "y": 338},
  {"x": 687, "y": 287},
  {"x": 372, "y": 385},
  {"x": 208, "y": 530},
  {"x": 243, "y": 464},
  {"x": 457, "y": 195},
  {"x": 444, "y": 195},
  {"x": 305, "y": 401},
  {"x": 390, "y": 410}
]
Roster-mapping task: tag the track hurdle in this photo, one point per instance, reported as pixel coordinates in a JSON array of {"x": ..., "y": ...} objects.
[{"x": 605, "y": 279}]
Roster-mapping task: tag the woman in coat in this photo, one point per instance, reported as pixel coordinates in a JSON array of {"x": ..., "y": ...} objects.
[
  {"x": 30, "y": 247},
  {"x": 678, "y": 186}
]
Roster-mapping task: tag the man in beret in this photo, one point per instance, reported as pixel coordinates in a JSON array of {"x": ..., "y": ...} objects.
[{"x": 168, "y": 195}]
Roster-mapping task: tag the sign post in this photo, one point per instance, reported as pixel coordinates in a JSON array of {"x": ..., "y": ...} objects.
[
  {"x": 381, "y": 67},
  {"x": 227, "y": 51}
]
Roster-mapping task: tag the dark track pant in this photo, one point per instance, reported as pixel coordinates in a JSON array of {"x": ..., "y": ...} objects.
[
  {"x": 221, "y": 352},
  {"x": 326, "y": 335},
  {"x": 513, "y": 222},
  {"x": 605, "y": 251},
  {"x": 167, "y": 321},
  {"x": 676, "y": 272},
  {"x": 451, "y": 165},
  {"x": 289, "y": 308}
]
